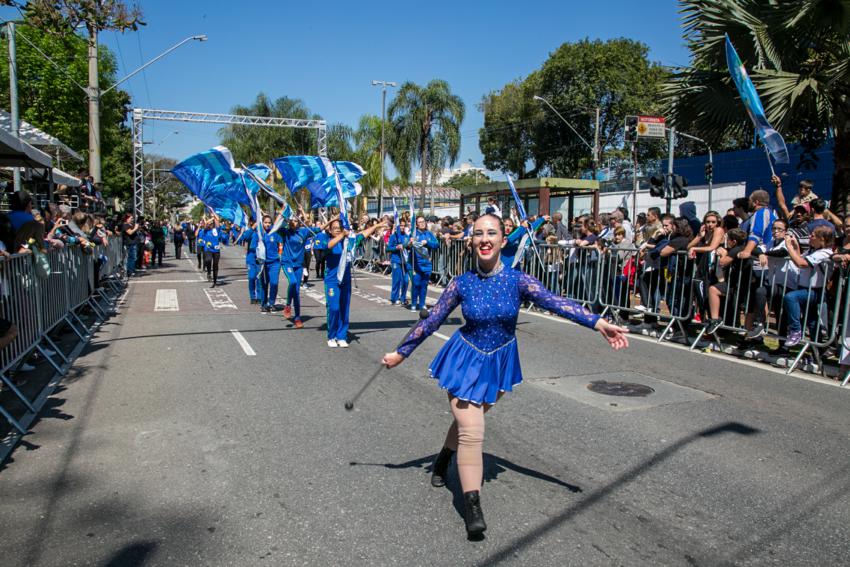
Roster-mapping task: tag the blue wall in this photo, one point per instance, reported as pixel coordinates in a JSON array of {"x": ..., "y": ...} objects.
[{"x": 751, "y": 166}]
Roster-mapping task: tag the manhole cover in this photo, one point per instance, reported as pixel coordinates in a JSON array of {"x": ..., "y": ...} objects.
[{"x": 627, "y": 389}]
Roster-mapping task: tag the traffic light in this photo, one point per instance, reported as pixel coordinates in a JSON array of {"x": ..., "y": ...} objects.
[
  {"x": 656, "y": 185},
  {"x": 709, "y": 172},
  {"x": 630, "y": 134},
  {"x": 679, "y": 183}
]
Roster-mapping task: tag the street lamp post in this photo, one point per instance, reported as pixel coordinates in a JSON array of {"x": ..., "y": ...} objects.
[{"x": 384, "y": 85}]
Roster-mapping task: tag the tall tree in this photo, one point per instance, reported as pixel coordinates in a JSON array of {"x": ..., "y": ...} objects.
[
  {"x": 367, "y": 142},
  {"x": 421, "y": 118},
  {"x": 50, "y": 97},
  {"x": 64, "y": 18},
  {"x": 798, "y": 56},
  {"x": 525, "y": 137}
]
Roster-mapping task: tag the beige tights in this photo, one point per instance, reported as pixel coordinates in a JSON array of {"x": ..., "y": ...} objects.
[{"x": 466, "y": 436}]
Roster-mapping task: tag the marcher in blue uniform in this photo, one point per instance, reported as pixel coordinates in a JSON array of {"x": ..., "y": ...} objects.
[
  {"x": 398, "y": 260},
  {"x": 338, "y": 290},
  {"x": 421, "y": 243},
  {"x": 481, "y": 360},
  {"x": 247, "y": 238},
  {"x": 223, "y": 234},
  {"x": 270, "y": 274},
  {"x": 515, "y": 235},
  {"x": 200, "y": 235},
  {"x": 295, "y": 237},
  {"x": 212, "y": 250},
  {"x": 234, "y": 233}
]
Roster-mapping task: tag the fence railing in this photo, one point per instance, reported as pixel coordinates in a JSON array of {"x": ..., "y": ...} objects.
[
  {"x": 37, "y": 304},
  {"x": 683, "y": 291}
]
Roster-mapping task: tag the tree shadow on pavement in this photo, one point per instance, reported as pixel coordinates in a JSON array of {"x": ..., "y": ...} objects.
[{"x": 509, "y": 551}]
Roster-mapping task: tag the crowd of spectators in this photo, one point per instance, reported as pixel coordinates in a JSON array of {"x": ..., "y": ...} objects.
[{"x": 751, "y": 272}]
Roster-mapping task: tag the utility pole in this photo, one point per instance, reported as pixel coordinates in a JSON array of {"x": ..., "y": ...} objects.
[
  {"x": 595, "y": 164},
  {"x": 635, "y": 181},
  {"x": 13, "y": 97},
  {"x": 668, "y": 187},
  {"x": 94, "y": 107}
]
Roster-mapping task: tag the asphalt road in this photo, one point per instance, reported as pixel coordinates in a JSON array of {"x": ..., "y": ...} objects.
[{"x": 171, "y": 445}]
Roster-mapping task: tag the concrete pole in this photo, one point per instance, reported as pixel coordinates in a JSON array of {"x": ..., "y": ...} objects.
[
  {"x": 668, "y": 193},
  {"x": 596, "y": 145},
  {"x": 13, "y": 96},
  {"x": 94, "y": 108}
]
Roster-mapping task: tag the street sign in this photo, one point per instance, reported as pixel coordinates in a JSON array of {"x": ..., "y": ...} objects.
[{"x": 650, "y": 127}]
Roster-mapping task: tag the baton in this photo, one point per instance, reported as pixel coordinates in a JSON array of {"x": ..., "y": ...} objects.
[{"x": 349, "y": 405}]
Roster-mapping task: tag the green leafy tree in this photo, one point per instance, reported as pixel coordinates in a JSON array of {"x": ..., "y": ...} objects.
[
  {"x": 424, "y": 128},
  {"x": 50, "y": 97},
  {"x": 165, "y": 194},
  {"x": 367, "y": 142},
  {"x": 615, "y": 75},
  {"x": 798, "y": 56},
  {"x": 466, "y": 179}
]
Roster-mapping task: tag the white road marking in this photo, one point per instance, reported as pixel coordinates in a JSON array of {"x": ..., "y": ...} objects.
[
  {"x": 219, "y": 299},
  {"x": 166, "y": 300},
  {"x": 441, "y": 336},
  {"x": 242, "y": 342},
  {"x": 315, "y": 295}
]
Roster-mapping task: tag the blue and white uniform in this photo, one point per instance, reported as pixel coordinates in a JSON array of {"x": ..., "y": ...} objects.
[
  {"x": 337, "y": 290},
  {"x": 482, "y": 359},
  {"x": 271, "y": 267},
  {"x": 251, "y": 262},
  {"x": 397, "y": 261},
  {"x": 292, "y": 262},
  {"x": 421, "y": 243},
  {"x": 511, "y": 249}
]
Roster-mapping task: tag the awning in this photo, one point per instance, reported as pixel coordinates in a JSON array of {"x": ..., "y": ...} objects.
[
  {"x": 17, "y": 153},
  {"x": 38, "y": 138},
  {"x": 62, "y": 178}
]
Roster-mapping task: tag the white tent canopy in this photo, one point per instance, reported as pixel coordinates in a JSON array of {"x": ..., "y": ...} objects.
[{"x": 17, "y": 153}]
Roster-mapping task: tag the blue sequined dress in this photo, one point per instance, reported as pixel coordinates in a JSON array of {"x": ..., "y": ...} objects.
[{"x": 481, "y": 359}]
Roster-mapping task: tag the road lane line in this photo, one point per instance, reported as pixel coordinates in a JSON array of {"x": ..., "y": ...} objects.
[
  {"x": 163, "y": 281},
  {"x": 166, "y": 300},
  {"x": 242, "y": 342},
  {"x": 219, "y": 299},
  {"x": 441, "y": 336}
]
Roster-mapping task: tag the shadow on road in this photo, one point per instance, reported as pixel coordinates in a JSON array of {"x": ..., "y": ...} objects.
[{"x": 508, "y": 551}]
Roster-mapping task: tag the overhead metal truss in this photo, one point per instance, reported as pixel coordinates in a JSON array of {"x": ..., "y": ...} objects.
[{"x": 142, "y": 114}]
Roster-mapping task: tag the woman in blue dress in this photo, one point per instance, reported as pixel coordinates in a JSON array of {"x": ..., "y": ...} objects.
[
  {"x": 338, "y": 289},
  {"x": 480, "y": 362}
]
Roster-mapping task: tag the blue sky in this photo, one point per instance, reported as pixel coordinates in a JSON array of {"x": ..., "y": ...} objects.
[{"x": 327, "y": 53}]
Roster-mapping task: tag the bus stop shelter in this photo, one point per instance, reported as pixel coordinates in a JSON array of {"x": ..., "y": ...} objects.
[{"x": 540, "y": 196}]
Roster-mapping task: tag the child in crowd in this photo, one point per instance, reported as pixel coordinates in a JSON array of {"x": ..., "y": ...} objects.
[{"x": 735, "y": 271}]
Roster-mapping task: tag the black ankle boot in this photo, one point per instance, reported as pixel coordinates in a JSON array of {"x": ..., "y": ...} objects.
[
  {"x": 441, "y": 464},
  {"x": 474, "y": 517}
]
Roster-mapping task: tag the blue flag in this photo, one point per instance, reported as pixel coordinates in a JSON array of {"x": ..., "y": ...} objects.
[
  {"x": 520, "y": 209},
  {"x": 319, "y": 176},
  {"x": 212, "y": 177},
  {"x": 771, "y": 138}
]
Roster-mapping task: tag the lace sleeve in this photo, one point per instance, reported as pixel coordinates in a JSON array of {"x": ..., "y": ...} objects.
[
  {"x": 531, "y": 289},
  {"x": 425, "y": 328}
]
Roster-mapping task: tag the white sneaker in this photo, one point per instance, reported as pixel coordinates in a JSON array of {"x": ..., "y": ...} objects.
[
  {"x": 26, "y": 367},
  {"x": 342, "y": 344},
  {"x": 49, "y": 352},
  {"x": 640, "y": 308},
  {"x": 412, "y": 308},
  {"x": 332, "y": 343}
]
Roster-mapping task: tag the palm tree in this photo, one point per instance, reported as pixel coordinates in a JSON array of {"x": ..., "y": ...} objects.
[
  {"x": 367, "y": 142},
  {"x": 419, "y": 115},
  {"x": 797, "y": 53}
]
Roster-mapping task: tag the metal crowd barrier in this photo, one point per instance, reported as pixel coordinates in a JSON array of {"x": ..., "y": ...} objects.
[
  {"x": 627, "y": 282},
  {"x": 37, "y": 306}
]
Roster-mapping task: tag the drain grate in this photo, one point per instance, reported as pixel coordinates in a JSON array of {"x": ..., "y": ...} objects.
[{"x": 626, "y": 389}]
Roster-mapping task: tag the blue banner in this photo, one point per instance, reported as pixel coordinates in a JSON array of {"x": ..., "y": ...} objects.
[
  {"x": 212, "y": 177},
  {"x": 520, "y": 209},
  {"x": 769, "y": 136}
]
